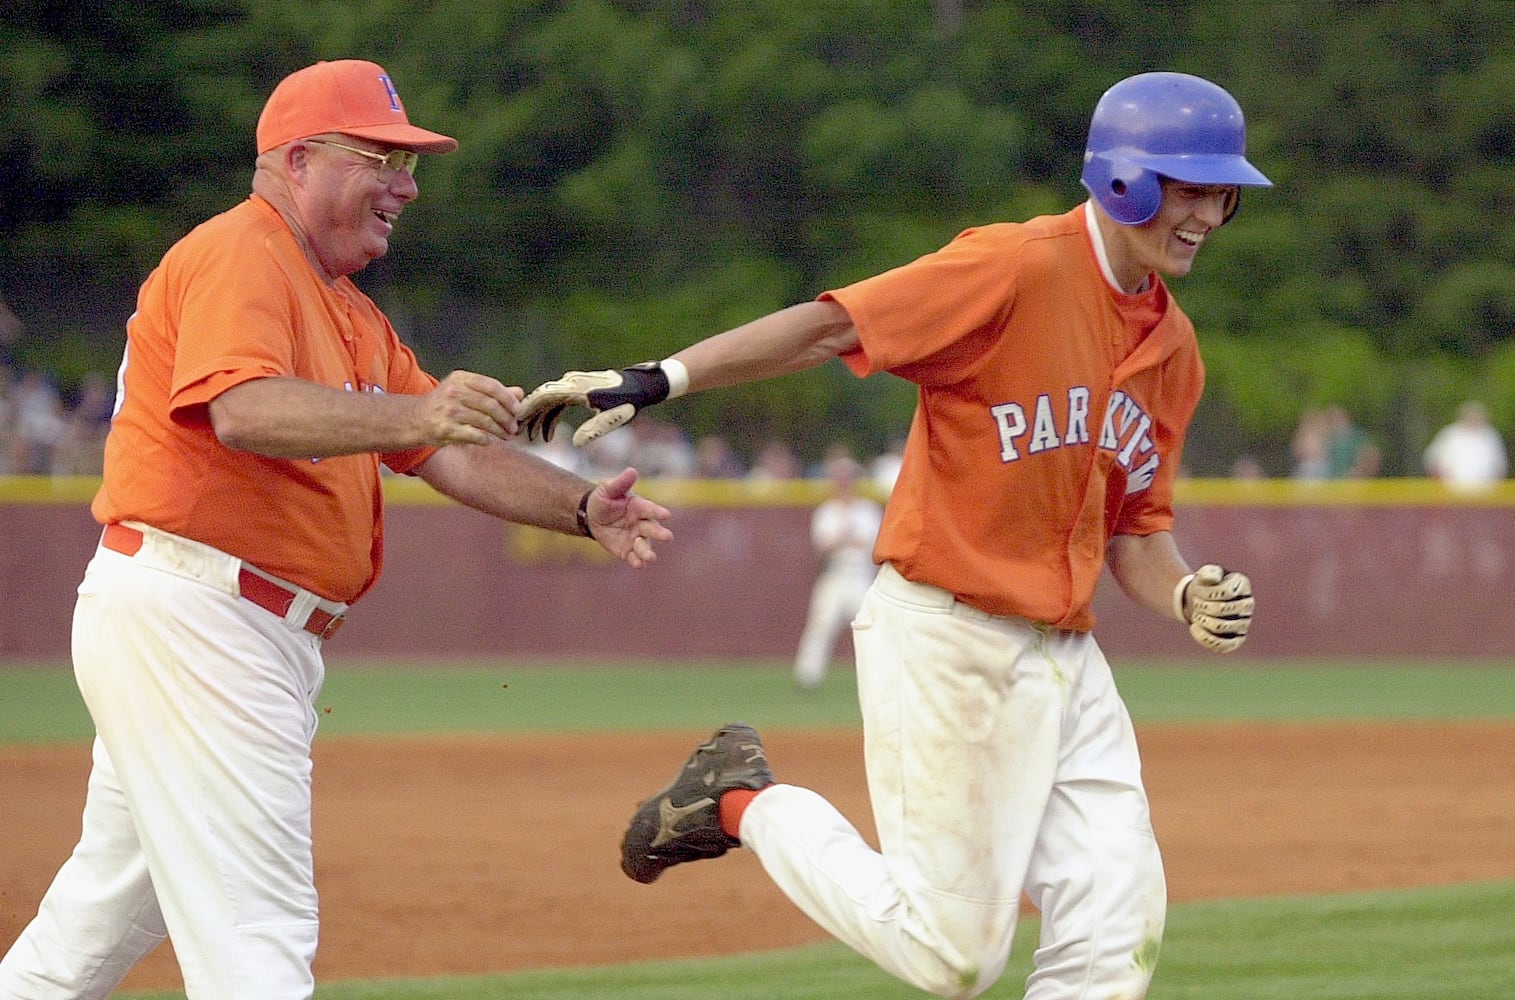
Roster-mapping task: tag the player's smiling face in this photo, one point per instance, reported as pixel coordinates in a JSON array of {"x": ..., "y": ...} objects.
[
  {"x": 350, "y": 210},
  {"x": 1169, "y": 241}
]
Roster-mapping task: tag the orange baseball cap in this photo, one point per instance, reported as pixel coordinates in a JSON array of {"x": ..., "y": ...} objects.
[{"x": 351, "y": 96}]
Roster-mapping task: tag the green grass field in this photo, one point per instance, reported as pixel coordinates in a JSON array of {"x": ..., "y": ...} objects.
[
  {"x": 1456, "y": 942},
  {"x": 38, "y": 703}
]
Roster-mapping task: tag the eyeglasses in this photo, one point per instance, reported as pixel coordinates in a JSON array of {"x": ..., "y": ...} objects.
[{"x": 395, "y": 159}]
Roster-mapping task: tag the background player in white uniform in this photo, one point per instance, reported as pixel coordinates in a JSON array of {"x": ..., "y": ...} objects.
[
  {"x": 843, "y": 529},
  {"x": 1468, "y": 455},
  {"x": 1057, "y": 379}
]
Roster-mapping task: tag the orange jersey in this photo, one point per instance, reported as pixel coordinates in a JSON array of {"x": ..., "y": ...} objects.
[
  {"x": 1051, "y": 414},
  {"x": 237, "y": 300}
]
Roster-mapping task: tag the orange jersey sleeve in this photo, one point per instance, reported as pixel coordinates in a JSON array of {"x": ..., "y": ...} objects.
[
  {"x": 236, "y": 300},
  {"x": 1051, "y": 414}
]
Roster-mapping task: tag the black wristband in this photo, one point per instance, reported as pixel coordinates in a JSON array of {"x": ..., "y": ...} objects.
[{"x": 583, "y": 514}]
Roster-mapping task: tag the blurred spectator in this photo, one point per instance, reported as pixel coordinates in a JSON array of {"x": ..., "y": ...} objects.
[
  {"x": 80, "y": 448},
  {"x": 842, "y": 531},
  {"x": 1328, "y": 445},
  {"x": 714, "y": 459},
  {"x": 1351, "y": 451},
  {"x": 836, "y": 451},
  {"x": 775, "y": 461},
  {"x": 561, "y": 452},
  {"x": 7, "y": 423},
  {"x": 36, "y": 411},
  {"x": 1467, "y": 454},
  {"x": 1310, "y": 448},
  {"x": 1247, "y": 467},
  {"x": 660, "y": 450},
  {"x": 610, "y": 454}
]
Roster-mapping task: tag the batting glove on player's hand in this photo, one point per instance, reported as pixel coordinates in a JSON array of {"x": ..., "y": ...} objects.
[
  {"x": 1217, "y": 605},
  {"x": 614, "y": 396}
]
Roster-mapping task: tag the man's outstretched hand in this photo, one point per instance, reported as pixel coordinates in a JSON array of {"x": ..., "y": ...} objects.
[{"x": 627, "y": 525}]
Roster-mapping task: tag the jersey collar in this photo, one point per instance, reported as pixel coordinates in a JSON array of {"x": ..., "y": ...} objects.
[{"x": 1097, "y": 239}]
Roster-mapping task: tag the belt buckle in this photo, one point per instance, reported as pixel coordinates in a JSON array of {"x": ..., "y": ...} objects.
[{"x": 333, "y": 624}]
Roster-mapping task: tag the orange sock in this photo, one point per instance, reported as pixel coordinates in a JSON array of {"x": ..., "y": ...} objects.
[{"x": 732, "y": 805}]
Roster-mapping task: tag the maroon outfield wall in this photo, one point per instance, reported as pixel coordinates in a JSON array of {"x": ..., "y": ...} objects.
[{"x": 1385, "y": 568}]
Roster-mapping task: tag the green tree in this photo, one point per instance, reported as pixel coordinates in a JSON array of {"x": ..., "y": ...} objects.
[{"x": 634, "y": 174}]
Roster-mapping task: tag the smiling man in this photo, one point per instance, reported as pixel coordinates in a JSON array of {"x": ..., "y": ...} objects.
[
  {"x": 1057, "y": 379},
  {"x": 260, "y": 393}
]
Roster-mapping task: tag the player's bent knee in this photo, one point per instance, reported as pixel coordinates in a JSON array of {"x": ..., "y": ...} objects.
[
  {"x": 961, "y": 977},
  {"x": 954, "y": 983}
]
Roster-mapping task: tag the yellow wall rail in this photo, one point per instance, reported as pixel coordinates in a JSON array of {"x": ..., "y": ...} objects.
[{"x": 1380, "y": 492}]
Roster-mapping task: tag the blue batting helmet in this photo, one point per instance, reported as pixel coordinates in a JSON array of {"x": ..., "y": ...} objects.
[{"x": 1157, "y": 125}]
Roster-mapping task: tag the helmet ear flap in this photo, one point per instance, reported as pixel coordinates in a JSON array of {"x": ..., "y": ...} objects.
[{"x": 1128, "y": 192}]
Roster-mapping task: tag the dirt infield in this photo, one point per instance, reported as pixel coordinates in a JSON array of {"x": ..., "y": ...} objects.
[{"x": 471, "y": 855}]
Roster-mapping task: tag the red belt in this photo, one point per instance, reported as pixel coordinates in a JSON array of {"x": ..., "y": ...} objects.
[{"x": 263, "y": 592}]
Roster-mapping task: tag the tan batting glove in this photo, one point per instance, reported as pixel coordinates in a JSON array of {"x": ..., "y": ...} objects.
[
  {"x": 614, "y": 397},
  {"x": 1217, "y": 605}
]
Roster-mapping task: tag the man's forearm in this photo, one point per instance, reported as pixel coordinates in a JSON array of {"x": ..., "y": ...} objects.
[
  {"x": 508, "y": 482},
  {"x": 285, "y": 417}
]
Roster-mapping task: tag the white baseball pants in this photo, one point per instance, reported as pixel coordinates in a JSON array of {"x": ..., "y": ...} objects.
[
  {"x": 1000, "y": 760},
  {"x": 196, "y": 823}
]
